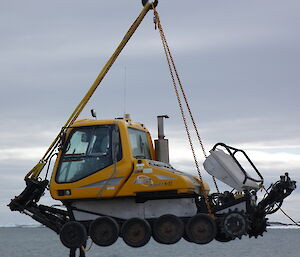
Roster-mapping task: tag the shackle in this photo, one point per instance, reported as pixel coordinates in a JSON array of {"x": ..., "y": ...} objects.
[{"x": 144, "y": 2}]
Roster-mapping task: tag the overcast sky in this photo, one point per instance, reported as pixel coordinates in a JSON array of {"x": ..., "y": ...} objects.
[{"x": 239, "y": 62}]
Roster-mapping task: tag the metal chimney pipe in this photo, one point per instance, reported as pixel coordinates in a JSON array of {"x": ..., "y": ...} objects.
[
  {"x": 160, "y": 123},
  {"x": 161, "y": 144}
]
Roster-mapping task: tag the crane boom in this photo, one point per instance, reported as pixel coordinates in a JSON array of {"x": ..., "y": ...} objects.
[{"x": 35, "y": 172}]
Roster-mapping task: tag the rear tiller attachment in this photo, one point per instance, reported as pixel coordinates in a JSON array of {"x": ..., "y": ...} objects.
[{"x": 240, "y": 214}]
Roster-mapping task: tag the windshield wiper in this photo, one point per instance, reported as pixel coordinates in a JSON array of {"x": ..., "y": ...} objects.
[
  {"x": 96, "y": 154},
  {"x": 74, "y": 155}
]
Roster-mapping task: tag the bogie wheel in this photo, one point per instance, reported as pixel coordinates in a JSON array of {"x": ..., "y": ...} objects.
[
  {"x": 201, "y": 229},
  {"x": 168, "y": 229},
  {"x": 136, "y": 232},
  {"x": 73, "y": 234},
  {"x": 104, "y": 231}
]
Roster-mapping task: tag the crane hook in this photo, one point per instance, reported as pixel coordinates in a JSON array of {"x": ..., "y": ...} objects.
[{"x": 144, "y": 2}]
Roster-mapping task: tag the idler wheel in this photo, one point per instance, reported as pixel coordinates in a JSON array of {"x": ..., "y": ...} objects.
[
  {"x": 104, "y": 231},
  {"x": 73, "y": 234},
  {"x": 168, "y": 229},
  {"x": 201, "y": 229},
  {"x": 136, "y": 232}
]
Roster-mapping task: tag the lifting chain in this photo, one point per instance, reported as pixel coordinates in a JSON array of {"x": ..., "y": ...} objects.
[{"x": 172, "y": 67}]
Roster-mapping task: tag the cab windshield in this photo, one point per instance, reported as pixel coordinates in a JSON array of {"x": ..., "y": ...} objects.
[{"x": 87, "y": 150}]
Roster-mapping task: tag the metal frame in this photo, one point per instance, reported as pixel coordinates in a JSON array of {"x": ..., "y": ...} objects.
[{"x": 232, "y": 151}]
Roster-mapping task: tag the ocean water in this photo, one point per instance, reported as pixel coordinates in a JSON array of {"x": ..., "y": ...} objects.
[{"x": 39, "y": 242}]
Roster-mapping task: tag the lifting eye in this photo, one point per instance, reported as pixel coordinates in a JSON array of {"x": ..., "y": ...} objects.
[{"x": 144, "y": 2}]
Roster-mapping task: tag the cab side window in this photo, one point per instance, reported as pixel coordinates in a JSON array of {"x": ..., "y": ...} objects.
[{"x": 139, "y": 143}]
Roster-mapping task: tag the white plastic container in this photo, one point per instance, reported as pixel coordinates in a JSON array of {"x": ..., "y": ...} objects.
[{"x": 223, "y": 167}]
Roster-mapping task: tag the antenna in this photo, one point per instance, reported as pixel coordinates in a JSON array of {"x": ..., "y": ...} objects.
[{"x": 125, "y": 88}]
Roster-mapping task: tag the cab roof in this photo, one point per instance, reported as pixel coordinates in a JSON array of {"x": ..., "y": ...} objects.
[{"x": 125, "y": 121}]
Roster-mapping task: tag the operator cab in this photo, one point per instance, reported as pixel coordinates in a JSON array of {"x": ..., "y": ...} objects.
[
  {"x": 90, "y": 149},
  {"x": 96, "y": 151}
]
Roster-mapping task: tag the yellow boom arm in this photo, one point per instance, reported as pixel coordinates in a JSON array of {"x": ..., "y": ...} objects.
[{"x": 35, "y": 172}]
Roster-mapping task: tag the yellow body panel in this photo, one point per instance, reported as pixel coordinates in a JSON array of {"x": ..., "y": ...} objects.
[
  {"x": 148, "y": 178},
  {"x": 128, "y": 176}
]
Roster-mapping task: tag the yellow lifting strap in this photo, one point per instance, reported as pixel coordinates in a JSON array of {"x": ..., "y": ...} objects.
[{"x": 35, "y": 172}]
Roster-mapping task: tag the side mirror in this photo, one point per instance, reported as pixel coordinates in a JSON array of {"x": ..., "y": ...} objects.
[{"x": 62, "y": 140}]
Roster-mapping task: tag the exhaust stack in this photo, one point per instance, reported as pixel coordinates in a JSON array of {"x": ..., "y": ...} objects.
[{"x": 161, "y": 144}]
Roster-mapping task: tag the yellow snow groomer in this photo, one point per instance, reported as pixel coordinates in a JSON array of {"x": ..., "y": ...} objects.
[{"x": 110, "y": 169}]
